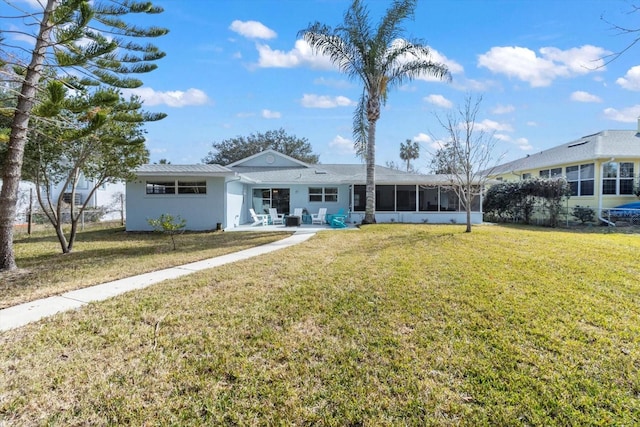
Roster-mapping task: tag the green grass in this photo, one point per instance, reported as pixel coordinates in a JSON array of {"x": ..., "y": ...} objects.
[
  {"x": 104, "y": 254},
  {"x": 389, "y": 325}
]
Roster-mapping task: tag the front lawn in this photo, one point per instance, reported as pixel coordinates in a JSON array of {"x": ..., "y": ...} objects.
[
  {"x": 104, "y": 254},
  {"x": 388, "y": 325}
]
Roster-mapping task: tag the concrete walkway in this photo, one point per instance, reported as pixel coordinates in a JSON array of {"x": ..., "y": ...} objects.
[{"x": 20, "y": 315}]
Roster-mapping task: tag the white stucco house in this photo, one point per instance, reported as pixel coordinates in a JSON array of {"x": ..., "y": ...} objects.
[
  {"x": 26, "y": 198},
  {"x": 212, "y": 196},
  {"x": 108, "y": 198}
]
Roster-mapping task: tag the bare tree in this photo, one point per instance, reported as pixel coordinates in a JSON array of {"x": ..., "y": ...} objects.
[
  {"x": 467, "y": 154},
  {"x": 634, "y": 32}
]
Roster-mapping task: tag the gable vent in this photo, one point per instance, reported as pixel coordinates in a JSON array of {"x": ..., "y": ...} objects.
[
  {"x": 577, "y": 144},
  {"x": 321, "y": 172}
]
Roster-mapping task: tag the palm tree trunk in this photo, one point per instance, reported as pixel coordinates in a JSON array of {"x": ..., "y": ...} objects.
[
  {"x": 370, "y": 208},
  {"x": 18, "y": 139}
]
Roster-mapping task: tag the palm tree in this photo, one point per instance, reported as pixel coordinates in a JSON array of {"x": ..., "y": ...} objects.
[
  {"x": 381, "y": 59},
  {"x": 409, "y": 150}
]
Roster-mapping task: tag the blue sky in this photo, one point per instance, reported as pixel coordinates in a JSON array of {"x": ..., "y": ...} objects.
[{"x": 236, "y": 67}]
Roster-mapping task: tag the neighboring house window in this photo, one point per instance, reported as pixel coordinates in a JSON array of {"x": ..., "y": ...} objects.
[
  {"x": 323, "y": 194},
  {"x": 526, "y": 176},
  {"x": 617, "y": 178},
  {"x": 550, "y": 173},
  {"x": 581, "y": 179},
  {"x": 66, "y": 197},
  {"x": 192, "y": 187}
]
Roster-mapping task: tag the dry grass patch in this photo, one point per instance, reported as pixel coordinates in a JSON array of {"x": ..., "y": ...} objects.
[
  {"x": 106, "y": 254},
  {"x": 389, "y": 325}
]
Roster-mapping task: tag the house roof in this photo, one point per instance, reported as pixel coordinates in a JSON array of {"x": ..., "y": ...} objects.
[
  {"x": 327, "y": 174},
  {"x": 271, "y": 155},
  {"x": 182, "y": 170},
  {"x": 617, "y": 144},
  {"x": 271, "y": 167}
]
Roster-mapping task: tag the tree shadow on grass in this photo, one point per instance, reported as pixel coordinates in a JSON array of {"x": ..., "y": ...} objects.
[{"x": 101, "y": 257}]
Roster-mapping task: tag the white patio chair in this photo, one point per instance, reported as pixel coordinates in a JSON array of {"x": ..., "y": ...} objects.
[
  {"x": 276, "y": 218},
  {"x": 259, "y": 219},
  {"x": 320, "y": 217},
  {"x": 297, "y": 212}
]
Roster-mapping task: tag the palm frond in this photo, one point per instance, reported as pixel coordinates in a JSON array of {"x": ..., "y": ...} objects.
[{"x": 360, "y": 127}]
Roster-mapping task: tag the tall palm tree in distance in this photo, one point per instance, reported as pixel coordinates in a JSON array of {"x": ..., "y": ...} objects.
[
  {"x": 381, "y": 59},
  {"x": 409, "y": 150}
]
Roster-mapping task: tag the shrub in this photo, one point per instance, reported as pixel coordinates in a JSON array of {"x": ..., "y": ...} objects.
[
  {"x": 516, "y": 201},
  {"x": 584, "y": 214},
  {"x": 168, "y": 224}
]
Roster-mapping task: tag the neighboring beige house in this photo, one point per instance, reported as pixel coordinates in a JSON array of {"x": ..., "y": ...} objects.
[{"x": 602, "y": 169}]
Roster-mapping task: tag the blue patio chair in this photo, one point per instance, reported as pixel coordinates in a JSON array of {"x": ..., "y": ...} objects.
[{"x": 338, "y": 221}]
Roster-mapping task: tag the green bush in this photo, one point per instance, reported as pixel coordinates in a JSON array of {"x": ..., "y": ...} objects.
[
  {"x": 515, "y": 201},
  {"x": 584, "y": 214},
  {"x": 168, "y": 224}
]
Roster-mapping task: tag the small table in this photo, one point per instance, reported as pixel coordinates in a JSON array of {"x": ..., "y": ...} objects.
[{"x": 292, "y": 221}]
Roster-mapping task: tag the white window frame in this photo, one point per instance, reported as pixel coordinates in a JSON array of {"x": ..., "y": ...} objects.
[{"x": 323, "y": 194}]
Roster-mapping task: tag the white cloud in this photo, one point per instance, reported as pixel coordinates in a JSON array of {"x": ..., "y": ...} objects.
[
  {"x": 492, "y": 125},
  {"x": 627, "y": 115},
  {"x": 300, "y": 55},
  {"x": 176, "y": 98},
  {"x": 631, "y": 80},
  {"x": 523, "y": 144},
  {"x": 437, "y": 144},
  {"x": 333, "y": 83},
  {"x": 435, "y": 56},
  {"x": 423, "y": 138},
  {"x": 524, "y": 64},
  {"x": 578, "y": 60},
  {"x": 268, "y": 114},
  {"x": 19, "y": 35},
  {"x": 323, "y": 101},
  {"x": 438, "y": 100},
  {"x": 244, "y": 115},
  {"x": 582, "y": 96},
  {"x": 503, "y": 109},
  {"x": 252, "y": 30},
  {"x": 35, "y": 4},
  {"x": 342, "y": 145}
]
